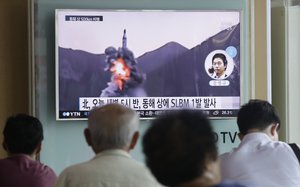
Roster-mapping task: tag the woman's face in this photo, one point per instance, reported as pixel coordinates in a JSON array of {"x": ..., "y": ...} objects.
[{"x": 218, "y": 66}]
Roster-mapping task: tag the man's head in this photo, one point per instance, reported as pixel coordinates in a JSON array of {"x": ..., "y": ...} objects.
[
  {"x": 219, "y": 63},
  {"x": 23, "y": 134},
  {"x": 257, "y": 115},
  {"x": 180, "y": 148},
  {"x": 112, "y": 126}
]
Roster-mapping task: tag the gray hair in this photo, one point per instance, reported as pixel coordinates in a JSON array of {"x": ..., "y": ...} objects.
[{"x": 112, "y": 126}]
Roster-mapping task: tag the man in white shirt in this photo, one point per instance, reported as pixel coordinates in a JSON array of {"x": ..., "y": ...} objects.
[
  {"x": 112, "y": 132},
  {"x": 260, "y": 159}
]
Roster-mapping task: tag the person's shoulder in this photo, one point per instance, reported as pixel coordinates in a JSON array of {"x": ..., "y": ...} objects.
[
  {"x": 4, "y": 161},
  {"x": 47, "y": 170},
  {"x": 75, "y": 167},
  {"x": 279, "y": 145},
  {"x": 47, "y": 176},
  {"x": 72, "y": 170},
  {"x": 36, "y": 168},
  {"x": 140, "y": 172},
  {"x": 286, "y": 148},
  {"x": 226, "y": 155}
]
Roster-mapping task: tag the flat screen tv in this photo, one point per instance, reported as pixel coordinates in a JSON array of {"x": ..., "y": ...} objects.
[{"x": 153, "y": 61}]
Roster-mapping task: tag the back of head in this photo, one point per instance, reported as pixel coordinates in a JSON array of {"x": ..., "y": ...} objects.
[
  {"x": 112, "y": 126},
  {"x": 22, "y": 134},
  {"x": 256, "y": 114},
  {"x": 177, "y": 146}
]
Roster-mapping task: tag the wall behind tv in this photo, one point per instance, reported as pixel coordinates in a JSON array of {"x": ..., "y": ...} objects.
[
  {"x": 13, "y": 61},
  {"x": 64, "y": 143}
]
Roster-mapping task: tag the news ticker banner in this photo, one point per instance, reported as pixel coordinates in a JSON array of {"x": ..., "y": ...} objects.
[{"x": 151, "y": 107}]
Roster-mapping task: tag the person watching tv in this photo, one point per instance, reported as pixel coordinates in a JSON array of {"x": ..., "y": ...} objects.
[{"x": 23, "y": 136}]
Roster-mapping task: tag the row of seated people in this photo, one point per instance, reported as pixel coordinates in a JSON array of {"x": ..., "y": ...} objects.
[{"x": 180, "y": 150}]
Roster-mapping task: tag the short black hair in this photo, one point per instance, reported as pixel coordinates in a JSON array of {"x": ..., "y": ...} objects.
[
  {"x": 256, "y": 114},
  {"x": 221, "y": 56},
  {"x": 22, "y": 133},
  {"x": 177, "y": 145}
]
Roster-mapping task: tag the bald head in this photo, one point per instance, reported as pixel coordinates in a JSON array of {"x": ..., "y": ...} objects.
[{"x": 112, "y": 127}]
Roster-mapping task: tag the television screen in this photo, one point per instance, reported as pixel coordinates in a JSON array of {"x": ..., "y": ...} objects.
[{"x": 153, "y": 61}]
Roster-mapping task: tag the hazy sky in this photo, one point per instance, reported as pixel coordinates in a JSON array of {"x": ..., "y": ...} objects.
[{"x": 146, "y": 31}]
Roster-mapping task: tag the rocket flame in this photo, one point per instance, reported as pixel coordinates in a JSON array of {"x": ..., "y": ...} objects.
[{"x": 121, "y": 72}]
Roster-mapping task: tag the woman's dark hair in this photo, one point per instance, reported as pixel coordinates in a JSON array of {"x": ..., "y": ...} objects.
[{"x": 177, "y": 145}]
